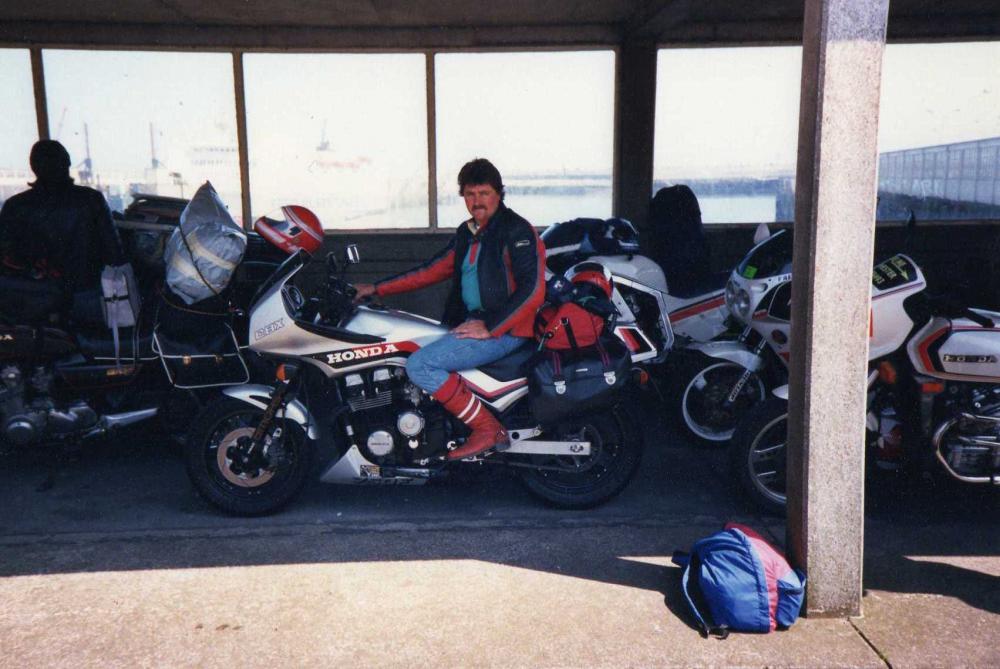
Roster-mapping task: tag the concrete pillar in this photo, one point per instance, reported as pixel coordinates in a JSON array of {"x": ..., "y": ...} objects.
[
  {"x": 635, "y": 112},
  {"x": 836, "y": 187}
]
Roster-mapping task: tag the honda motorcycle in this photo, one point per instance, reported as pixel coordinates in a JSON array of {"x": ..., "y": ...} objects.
[
  {"x": 933, "y": 391},
  {"x": 343, "y": 399},
  {"x": 63, "y": 383}
]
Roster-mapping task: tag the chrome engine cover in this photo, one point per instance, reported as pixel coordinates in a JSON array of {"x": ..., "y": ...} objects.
[
  {"x": 410, "y": 423},
  {"x": 380, "y": 443}
]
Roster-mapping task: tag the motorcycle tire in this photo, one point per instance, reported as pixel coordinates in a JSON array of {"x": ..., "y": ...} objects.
[
  {"x": 757, "y": 455},
  {"x": 570, "y": 482},
  {"x": 703, "y": 387},
  {"x": 259, "y": 489}
]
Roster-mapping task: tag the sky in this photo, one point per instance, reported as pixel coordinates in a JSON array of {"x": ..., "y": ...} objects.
[{"x": 734, "y": 110}]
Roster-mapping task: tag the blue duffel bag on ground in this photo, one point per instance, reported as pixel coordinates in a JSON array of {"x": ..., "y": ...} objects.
[{"x": 736, "y": 580}]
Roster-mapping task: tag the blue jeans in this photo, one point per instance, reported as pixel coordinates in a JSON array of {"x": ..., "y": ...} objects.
[{"x": 430, "y": 366}]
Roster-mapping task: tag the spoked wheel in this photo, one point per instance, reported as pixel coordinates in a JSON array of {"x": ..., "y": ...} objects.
[
  {"x": 234, "y": 475},
  {"x": 580, "y": 482},
  {"x": 758, "y": 455},
  {"x": 707, "y": 413}
]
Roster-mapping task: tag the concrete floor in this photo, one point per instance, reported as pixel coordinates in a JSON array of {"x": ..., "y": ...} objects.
[{"x": 112, "y": 560}]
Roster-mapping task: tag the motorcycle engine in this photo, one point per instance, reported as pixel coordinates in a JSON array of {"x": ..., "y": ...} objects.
[
  {"x": 968, "y": 444},
  {"x": 26, "y": 421},
  {"x": 387, "y": 415}
]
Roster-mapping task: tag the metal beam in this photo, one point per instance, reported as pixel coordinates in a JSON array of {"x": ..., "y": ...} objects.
[
  {"x": 239, "y": 88},
  {"x": 653, "y": 18},
  {"x": 431, "y": 83},
  {"x": 41, "y": 102},
  {"x": 281, "y": 38}
]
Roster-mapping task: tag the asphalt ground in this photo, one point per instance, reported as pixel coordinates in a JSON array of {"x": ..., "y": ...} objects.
[{"x": 109, "y": 559}]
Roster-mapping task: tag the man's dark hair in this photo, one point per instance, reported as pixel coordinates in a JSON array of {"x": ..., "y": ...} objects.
[
  {"x": 480, "y": 171},
  {"x": 50, "y": 162}
]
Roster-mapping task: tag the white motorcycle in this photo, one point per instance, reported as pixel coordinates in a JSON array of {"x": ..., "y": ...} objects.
[
  {"x": 934, "y": 400},
  {"x": 652, "y": 320},
  {"x": 343, "y": 397},
  {"x": 719, "y": 380}
]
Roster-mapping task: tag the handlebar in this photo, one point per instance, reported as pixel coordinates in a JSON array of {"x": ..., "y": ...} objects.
[{"x": 979, "y": 319}]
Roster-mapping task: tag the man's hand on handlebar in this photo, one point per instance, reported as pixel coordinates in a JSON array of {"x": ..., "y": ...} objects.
[{"x": 364, "y": 290}]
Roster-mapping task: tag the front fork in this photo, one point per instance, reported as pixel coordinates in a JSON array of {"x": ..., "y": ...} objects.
[
  {"x": 757, "y": 351},
  {"x": 286, "y": 374}
]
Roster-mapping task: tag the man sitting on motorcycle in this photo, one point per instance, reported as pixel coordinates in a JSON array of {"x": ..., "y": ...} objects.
[
  {"x": 500, "y": 263},
  {"x": 58, "y": 230}
]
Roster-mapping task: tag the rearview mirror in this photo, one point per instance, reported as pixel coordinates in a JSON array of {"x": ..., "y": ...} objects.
[
  {"x": 761, "y": 233},
  {"x": 352, "y": 254}
]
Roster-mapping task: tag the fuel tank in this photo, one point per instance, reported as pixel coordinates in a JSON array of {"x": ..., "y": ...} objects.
[
  {"x": 958, "y": 349},
  {"x": 395, "y": 326}
]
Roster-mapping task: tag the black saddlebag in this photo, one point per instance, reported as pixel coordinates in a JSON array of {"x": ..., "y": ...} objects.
[
  {"x": 574, "y": 382},
  {"x": 198, "y": 349}
]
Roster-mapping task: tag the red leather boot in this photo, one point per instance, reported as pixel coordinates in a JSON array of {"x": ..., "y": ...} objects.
[{"x": 487, "y": 431}]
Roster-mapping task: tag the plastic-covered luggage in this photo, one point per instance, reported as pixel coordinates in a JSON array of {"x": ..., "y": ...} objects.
[{"x": 205, "y": 249}]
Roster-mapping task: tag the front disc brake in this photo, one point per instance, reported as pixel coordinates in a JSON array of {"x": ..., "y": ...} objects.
[{"x": 245, "y": 479}]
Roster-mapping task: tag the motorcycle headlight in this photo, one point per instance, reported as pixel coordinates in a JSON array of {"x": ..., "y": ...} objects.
[
  {"x": 741, "y": 304},
  {"x": 731, "y": 295}
]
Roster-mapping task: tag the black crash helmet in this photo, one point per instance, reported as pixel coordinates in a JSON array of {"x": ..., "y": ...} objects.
[{"x": 613, "y": 236}]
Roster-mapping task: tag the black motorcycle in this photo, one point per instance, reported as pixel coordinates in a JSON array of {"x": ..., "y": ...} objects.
[{"x": 65, "y": 379}]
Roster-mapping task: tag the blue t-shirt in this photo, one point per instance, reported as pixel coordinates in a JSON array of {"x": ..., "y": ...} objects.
[{"x": 470, "y": 279}]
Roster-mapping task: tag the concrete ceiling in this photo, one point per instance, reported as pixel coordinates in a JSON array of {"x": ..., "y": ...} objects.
[{"x": 407, "y": 24}]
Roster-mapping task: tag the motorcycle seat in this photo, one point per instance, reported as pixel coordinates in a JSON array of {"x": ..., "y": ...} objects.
[
  {"x": 28, "y": 301},
  {"x": 100, "y": 344},
  {"x": 709, "y": 284},
  {"x": 514, "y": 366}
]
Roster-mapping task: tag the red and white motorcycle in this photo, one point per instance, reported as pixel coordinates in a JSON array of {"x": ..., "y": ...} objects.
[
  {"x": 343, "y": 397},
  {"x": 652, "y": 319},
  {"x": 934, "y": 388}
]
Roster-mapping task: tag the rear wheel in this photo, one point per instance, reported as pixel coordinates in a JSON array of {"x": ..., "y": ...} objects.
[
  {"x": 231, "y": 474},
  {"x": 580, "y": 482},
  {"x": 758, "y": 455},
  {"x": 705, "y": 409}
]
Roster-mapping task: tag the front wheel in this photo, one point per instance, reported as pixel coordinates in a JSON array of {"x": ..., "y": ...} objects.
[
  {"x": 571, "y": 482},
  {"x": 758, "y": 455},
  {"x": 705, "y": 408},
  {"x": 236, "y": 476}
]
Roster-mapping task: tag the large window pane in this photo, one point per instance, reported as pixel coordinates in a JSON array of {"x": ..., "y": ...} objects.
[
  {"x": 727, "y": 126},
  {"x": 20, "y": 129},
  {"x": 146, "y": 122},
  {"x": 342, "y": 134},
  {"x": 544, "y": 119},
  {"x": 939, "y": 131}
]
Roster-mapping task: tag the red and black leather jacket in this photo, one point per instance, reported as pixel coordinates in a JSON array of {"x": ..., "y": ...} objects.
[{"x": 510, "y": 269}]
